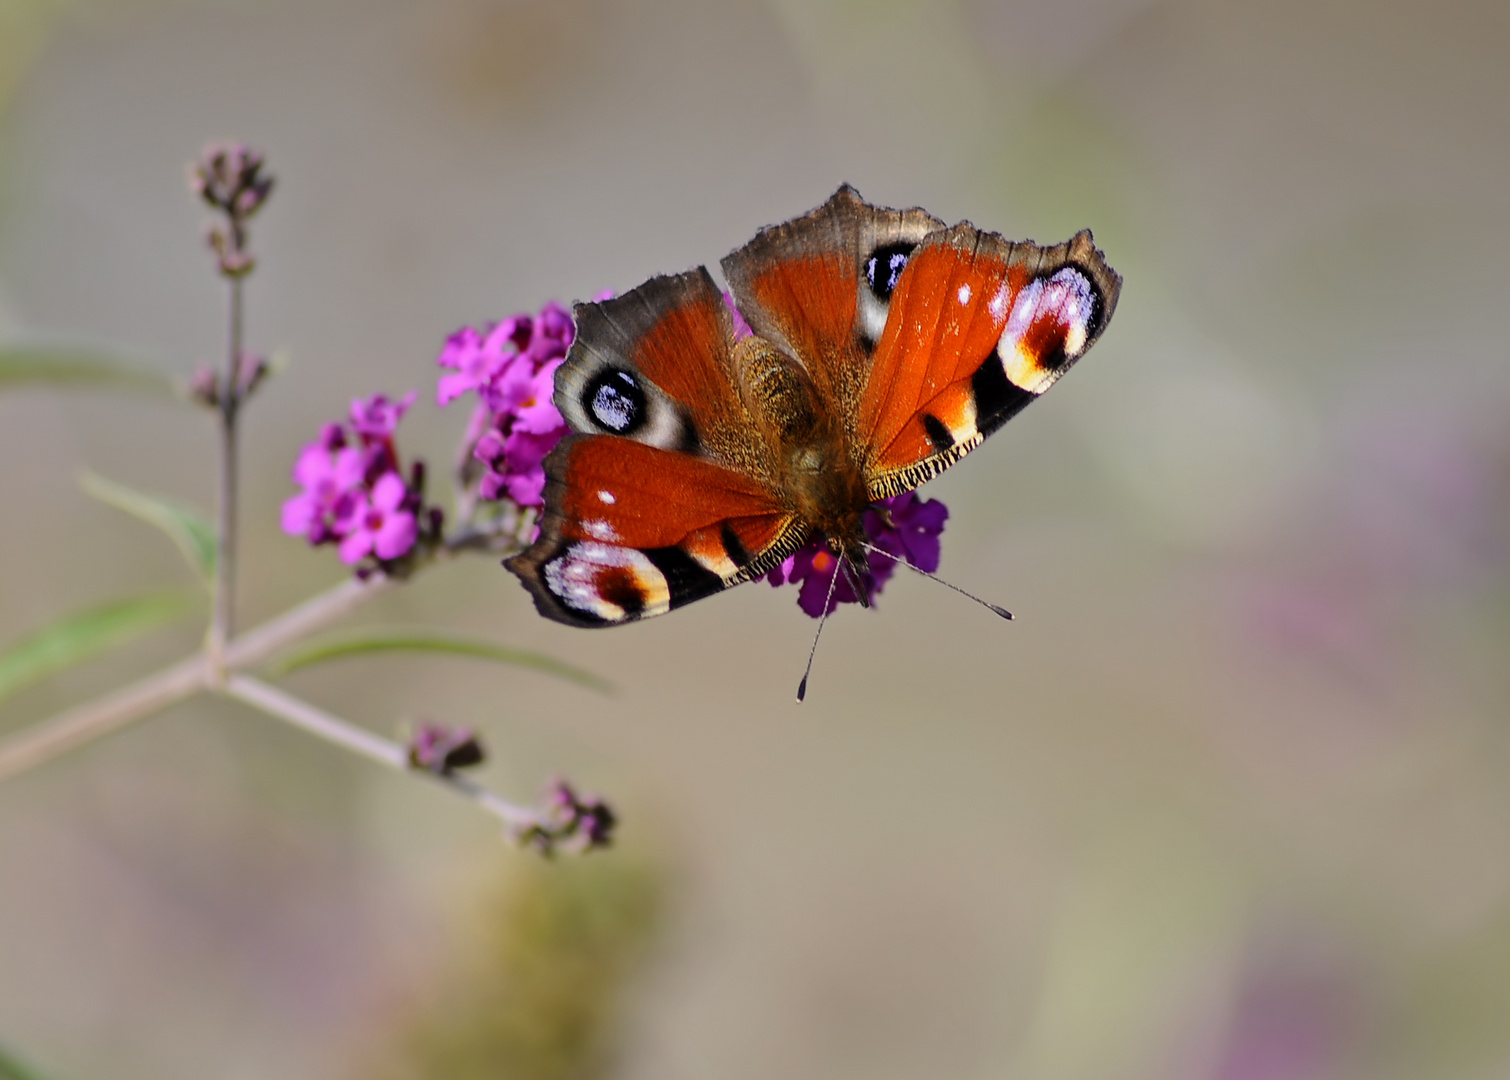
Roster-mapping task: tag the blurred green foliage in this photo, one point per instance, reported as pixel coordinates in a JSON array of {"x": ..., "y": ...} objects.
[
  {"x": 364, "y": 640},
  {"x": 539, "y": 978},
  {"x": 83, "y": 635},
  {"x": 11, "y": 1068}
]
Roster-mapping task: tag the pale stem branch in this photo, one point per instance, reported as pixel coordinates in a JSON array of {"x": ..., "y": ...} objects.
[
  {"x": 105, "y": 715},
  {"x": 98, "y": 718},
  {"x": 343, "y": 733}
]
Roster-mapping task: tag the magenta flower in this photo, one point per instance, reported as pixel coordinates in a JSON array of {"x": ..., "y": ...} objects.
[
  {"x": 511, "y": 367},
  {"x": 906, "y": 526},
  {"x": 478, "y": 358},
  {"x": 376, "y": 418},
  {"x": 330, "y": 474},
  {"x": 378, "y": 523},
  {"x": 354, "y": 492},
  {"x": 536, "y": 413}
]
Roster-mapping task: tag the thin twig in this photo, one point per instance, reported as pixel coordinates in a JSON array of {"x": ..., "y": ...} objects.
[
  {"x": 222, "y": 615},
  {"x": 98, "y": 718},
  {"x": 105, "y": 715},
  {"x": 360, "y": 741}
]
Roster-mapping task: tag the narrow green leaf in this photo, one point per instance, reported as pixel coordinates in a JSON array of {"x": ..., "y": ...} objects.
[
  {"x": 46, "y": 365},
  {"x": 75, "y": 638},
  {"x": 11, "y": 1068},
  {"x": 375, "y": 639},
  {"x": 186, "y": 527}
]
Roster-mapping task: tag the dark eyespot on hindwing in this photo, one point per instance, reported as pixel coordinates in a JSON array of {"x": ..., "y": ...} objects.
[
  {"x": 884, "y": 268},
  {"x": 615, "y": 402}
]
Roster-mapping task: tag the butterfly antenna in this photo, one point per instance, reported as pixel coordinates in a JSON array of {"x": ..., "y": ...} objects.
[
  {"x": 1003, "y": 612},
  {"x": 827, "y": 611}
]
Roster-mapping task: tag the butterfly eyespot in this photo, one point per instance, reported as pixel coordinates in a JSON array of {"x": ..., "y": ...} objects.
[
  {"x": 884, "y": 268},
  {"x": 1052, "y": 321},
  {"x": 615, "y": 402}
]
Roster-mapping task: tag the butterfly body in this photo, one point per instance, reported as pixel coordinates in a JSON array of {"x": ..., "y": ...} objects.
[{"x": 885, "y": 346}]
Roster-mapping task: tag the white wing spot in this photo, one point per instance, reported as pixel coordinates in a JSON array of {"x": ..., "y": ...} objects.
[
  {"x": 964, "y": 294},
  {"x": 997, "y": 305},
  {"x": 600, "y": 530},
  {"x": 606, "y": 497}
]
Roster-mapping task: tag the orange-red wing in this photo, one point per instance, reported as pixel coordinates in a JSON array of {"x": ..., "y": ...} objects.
[
  {"x": 803, "y": 286},
  {"x": 655, "y": 365},
  {"x": 631, "y": 531},
  {"x": 978, "y": 327}
]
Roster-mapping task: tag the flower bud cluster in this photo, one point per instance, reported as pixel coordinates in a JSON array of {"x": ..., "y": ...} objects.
[
  {"x": 442, "y": 750},
  {"x": 568, "y": 822},
  {"x": 230, "y": 180},
  {"x": 205, "y": 384}
]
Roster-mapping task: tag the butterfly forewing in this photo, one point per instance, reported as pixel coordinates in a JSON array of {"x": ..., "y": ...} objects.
[
  {"x": 665, "y": 494},
  {"x": 818, "y": 288}
]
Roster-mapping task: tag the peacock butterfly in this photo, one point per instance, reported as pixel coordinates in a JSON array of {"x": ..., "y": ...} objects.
[{"x": 885, "y": 347}]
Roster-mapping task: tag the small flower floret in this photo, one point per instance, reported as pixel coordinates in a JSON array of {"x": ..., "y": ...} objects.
[
  {"x": 511, "y": 367},
  {"x": 354, "y": 492}
]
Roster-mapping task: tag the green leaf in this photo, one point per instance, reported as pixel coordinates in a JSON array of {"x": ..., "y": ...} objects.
[
  {"x": 47, "y": 365},
  {"x": 375, "y": 639},
  {"x": 77, "y": 637},
  {"x": 11, "y": 1068},
  {"x": 194, "y": 535}
]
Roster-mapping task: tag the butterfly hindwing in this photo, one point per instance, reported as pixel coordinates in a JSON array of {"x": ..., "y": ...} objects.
[
  {"x": 632, "y": 530},
  {"x": 978, "y": 328}
]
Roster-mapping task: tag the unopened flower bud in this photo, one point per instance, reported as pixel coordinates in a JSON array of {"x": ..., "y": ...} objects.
[
  {"x": 204, "y": 387},
  {"x": 250, "y": 372},
  {"x": 442, "y": 750}
]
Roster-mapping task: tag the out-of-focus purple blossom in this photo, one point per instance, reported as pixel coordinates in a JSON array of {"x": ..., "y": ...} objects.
[
  {"x": 1294, "y": 1018},
  {"x": 905, "y": 526},
  {"x": 377, "y": 523},
  {"x": 331, "y": 475},
  {"x": 442, "y": 750},
  {"x": 376, "y": 418},
  {"x": 511, "y": 367}
]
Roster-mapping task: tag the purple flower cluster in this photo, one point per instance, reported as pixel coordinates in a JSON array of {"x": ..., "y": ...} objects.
[
  {"x": 355, "y": 494},
  {"x": 906, "y": 527},
  {"x": 511, "y": 366}
]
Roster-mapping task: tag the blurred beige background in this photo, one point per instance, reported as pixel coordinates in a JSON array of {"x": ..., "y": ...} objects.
[{"x": 1229, "y": 801}]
